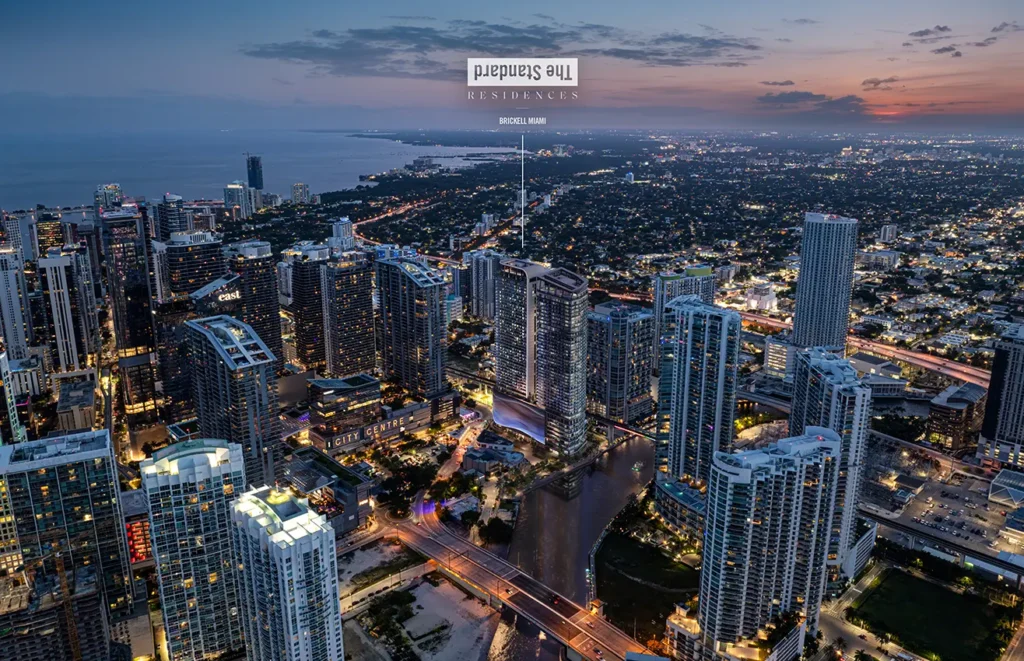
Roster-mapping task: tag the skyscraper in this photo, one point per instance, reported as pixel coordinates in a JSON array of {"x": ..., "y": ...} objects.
[
  {"x": 824, "y": 287},
  {"x": 288, "y": 578},
  {"x": 127, "y": 265},
  {"x": 300, "y": 193},
  {"x": 698, "y": 280},
  {"x": 253, "y": 262},
  {"x": 169, "y": 217},
  {"x": 68, "y": 290},
  {"x": 561, "y": 302},
  {"x": 620, "y": 352},
  {"x": 307, "y": 305},
  {"x": 1002, "y": 430},
  {"x": 697, "y": 389},
  {"x": 15, "y": 321},
  {"x": 888, "y": 233},
  {"x": 828, "y": 393},
  {"x": 20, "y": 230},
  {"x": 234, "y": 391},
  {"x": 190, "y": 486},
  {"x": 484, "y": 271},
  {"x": 186, "y": 262},
  {"x": 173, "y": 386},
  {"x": 254, "y": 169},
  {"x": 11, "y": 429},
  {"x": 515, "y": 369},
  {"x": 765, "y": 542},
  {"x": 342, "y": 237},
  {"x": 107, "y": 197},
  {"x": 62, "y": 493},
  {"x": 50, "y": 231},
  {"x": 347, "y": 286},
  {"x": 412, "y": 325},
  {"x": 243, "y": 199}
]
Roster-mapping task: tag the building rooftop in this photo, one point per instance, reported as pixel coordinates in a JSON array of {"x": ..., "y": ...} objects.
[
  {"x": 54, "y": 451},
  {"x": 347, "y": 383},
  {"x": 531, "y": 269},
  {"x": 960, "y": 396},
  {"x": 422, "y": 275},
  {"x": 566, "y": 279},
  {"x": 189, "y": 455},
  {"x": 213, "y": 286},
  {"x": 249, "y": 249},
  {"x": 74, "y": 395},
  {"x": 236, "y": 342},
  {"x": 134, "y": 503},
  {"x": 310, "y": 469},
  {"x": 279, "y": 515},
  {"x": 684, "y": 494}
]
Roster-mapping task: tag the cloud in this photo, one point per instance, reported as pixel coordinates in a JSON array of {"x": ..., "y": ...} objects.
[
  {"x": 945, "y": 49},
  {"x": 544, "y": 17},
  {"x": 281, "y": 81},
  {"x": 873, "y": 84},
  {"x": 907, "y": 43},
  {"x": 786, "y": 98},
  {"x": 847, "y": 105},
  {"x": 800, "y": 21},
  {"x": 984, "y": 44},
  {"x": 957, "y": 54},
  {"x": 1008, "y": 27},
  {"x": 411, "y": 18},
  {"x": 784, "y": 40},
  {"x": 778, "y": 83},
  {"x": 928, "y": 32},
  {"x": 439, "y": 52}
]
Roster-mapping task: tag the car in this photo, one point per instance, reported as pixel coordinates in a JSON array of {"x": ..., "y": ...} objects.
[
  {"x": 555, "y": 601},
  {"x": 508, "y": 590},
  {"x": 590, "y": 624},
  {"x": 863, "y": 637},
  {"x": 598, "y": 652}
]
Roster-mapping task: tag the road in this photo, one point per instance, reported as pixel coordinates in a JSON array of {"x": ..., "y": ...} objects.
[
  {"x": 590, "y": 635},
  {"x": 1015, "y": 650}
]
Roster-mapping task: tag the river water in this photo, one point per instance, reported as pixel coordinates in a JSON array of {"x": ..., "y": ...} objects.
[{"x": 555, "y": 532}]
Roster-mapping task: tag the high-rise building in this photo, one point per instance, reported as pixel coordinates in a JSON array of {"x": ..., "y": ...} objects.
[
  {"x": 127, "y": 266},
  {"x": 253, "y": 263},
  {"x": 337, "y": 406},
  {"x": 698, "y": 280},
  {"x": 254, "y": 170},
  {"x": 697, "y": 388},
  {"x": 300, "y": 193},
  {"x": 107, "y": 197},
  {"x": 287, "y": 577},
  {"x": 347, "y": 286},
  {"x": 484, "y": 271},
  {"x": 620, "y": 354},
  {"x": 50, "y": 231},
  {"x": 342, "y": 237},
  {"x": 888, "y": 233},
  {"x": 515, "y": 369},
  {"x": 15, "y": 321},
  {"x": 20, "y": 233},
  {"x": 169, "y": 218},
  {"x": 186, "y": 262},
  {"x": 824, "y": 286},
  {"x": 307, "y": 304},
  {"x": 765, "y": 543},
  {"x": 62, "y": 493},
  {"x": 70, "y": 295},
  {"x": 413, "y": 334},
  {"x": 562, "y": 300},
  {"x": 190, "y": 486},
  {"x": 1002, "y": 430},
  {"x": 234, "y": 391},
  {"x": 11, "y": 428},
  {"x": 955, "y": 416},
  {"x": 173, "y": 386},
  {"x": 828, "y": 393},
  {"x": 244, "y": 200}
]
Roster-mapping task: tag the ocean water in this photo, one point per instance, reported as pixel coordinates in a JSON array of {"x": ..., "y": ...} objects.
[{"x": 64, "y": 170}]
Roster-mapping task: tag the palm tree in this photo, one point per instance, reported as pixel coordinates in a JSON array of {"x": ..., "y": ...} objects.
[{"x": 841, "y": 644}]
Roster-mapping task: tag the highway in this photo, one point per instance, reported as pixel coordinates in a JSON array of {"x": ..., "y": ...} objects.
[{"x": 589, "y": 635}]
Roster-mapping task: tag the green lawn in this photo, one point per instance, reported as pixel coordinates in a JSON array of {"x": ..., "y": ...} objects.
[
  {"x": 930, "y": 620},
  {"x": 627, "y": 601}
]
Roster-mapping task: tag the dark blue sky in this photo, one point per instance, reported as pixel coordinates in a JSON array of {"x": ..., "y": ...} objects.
[{"x": 114, "y": 64}]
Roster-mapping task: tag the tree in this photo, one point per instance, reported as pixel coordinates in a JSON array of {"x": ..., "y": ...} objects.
[
  {"x": 496, "y": 531},
  {"x": 470, "y": 517},
  {"x": 840, "y": 643}
]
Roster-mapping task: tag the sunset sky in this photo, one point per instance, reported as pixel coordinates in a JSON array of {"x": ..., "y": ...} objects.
[{"x": 644, "y": 63}]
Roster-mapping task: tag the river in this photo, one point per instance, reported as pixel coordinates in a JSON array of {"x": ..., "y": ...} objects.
[{"x": 554, "y": 535}]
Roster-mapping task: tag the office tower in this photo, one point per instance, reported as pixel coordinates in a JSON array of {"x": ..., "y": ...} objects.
[
  {"x": 34, "y": 622},
  {"x": 70, "y": 297},
  {"x": 49, "y": 231},
  {"x": 515, "y": 370},
  {"x": 484, "y": 270},
  {"x": 300, "y": 193},
  {"x": 697, "y": 389},
  {"x": 339, "y": 406},
  {"x": 174, "y": 389},
  {"x": 454, "y": 310},
  {"x": 887, "y": 234},
  {"x": 955, "y": 416},
  {"x": 107, "y": 197},
  {"x": 347, "y": 287},
  {"x": 828, "y": 393},
  {"x": 413, "y": 334},
  {"x": 562, "y": 302},
  {"x": 190, "y": 486},
  {"x": 234, "y": 391},
  {"x": 186, "y": 262},
  {"x": 307, "y": 304},
  {"x": 288, "y": 578},
  {"x": 825, "y": 284},
  {"x": 253, "y": 263},
  {"x": 620, "y": 354},
  {"x": 696, "y": 280},
  {"x": 124, "y": 230},
  {"x": 11, "y": 429},
  {"x": 15, "y": 322},
  {"x": 169, "y": 218},
  {"x": 244, "y": 200},
  {"x": 1002, "y": 430},
  {"x": 254, "y": 170},
  {"x": 765, "y": 542},
  {"x": 342, "y": 237},
  {"x": 62, "y": 492}
]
